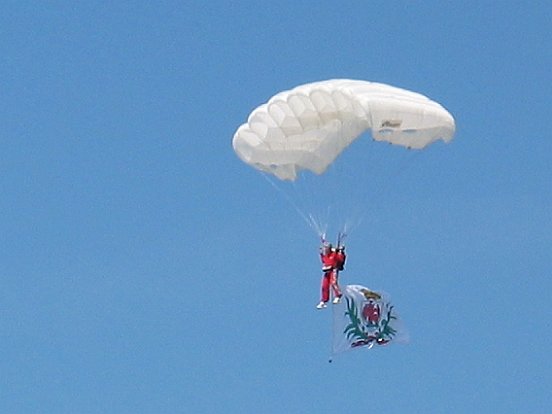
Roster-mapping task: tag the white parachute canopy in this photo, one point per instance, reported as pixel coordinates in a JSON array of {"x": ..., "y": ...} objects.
[
  {"x": 365, "y": 318},
  {"x": 306, "y": 128}
]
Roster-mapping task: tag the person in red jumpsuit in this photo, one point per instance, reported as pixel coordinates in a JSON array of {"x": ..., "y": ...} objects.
[{"x": 332, "y": 262}]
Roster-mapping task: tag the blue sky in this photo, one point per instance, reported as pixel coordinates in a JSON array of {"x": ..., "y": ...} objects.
[{"x": 145, "y": 269}]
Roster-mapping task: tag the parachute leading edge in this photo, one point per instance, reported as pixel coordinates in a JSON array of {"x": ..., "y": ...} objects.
[{"x": 306, "y": 128}]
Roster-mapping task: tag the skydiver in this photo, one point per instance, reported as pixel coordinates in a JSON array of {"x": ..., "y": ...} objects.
[{"x": 332, "y": 261}]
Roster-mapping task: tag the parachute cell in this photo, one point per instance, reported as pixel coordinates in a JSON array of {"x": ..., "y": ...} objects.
[{"x": 306, "y": 128}]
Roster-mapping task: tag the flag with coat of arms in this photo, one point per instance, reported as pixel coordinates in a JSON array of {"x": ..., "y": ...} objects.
[{"x": 365, "y": 318}]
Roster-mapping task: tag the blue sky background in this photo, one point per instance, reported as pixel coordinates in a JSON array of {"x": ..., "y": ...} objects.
[{"x": 145, "y": 269}]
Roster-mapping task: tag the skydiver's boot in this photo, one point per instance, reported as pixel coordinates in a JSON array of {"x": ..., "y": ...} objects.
[
  {"x": 321, "y": 305},
  {"x": 337, "y": 300}
]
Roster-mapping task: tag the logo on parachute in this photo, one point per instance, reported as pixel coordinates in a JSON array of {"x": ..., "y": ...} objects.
[
  {"x": 391, "y": 123},
  {"x": 370, "y": 320}
]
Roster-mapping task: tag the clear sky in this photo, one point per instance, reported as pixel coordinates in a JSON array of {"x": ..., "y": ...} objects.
[{"x": 145, "y": 269}]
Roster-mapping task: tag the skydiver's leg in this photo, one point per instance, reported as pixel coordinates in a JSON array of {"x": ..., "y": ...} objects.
[{"x": 325, "y": 288}]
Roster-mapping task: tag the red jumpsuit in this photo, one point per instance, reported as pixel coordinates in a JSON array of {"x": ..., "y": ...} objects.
[{"x": 330, "y": 265}]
